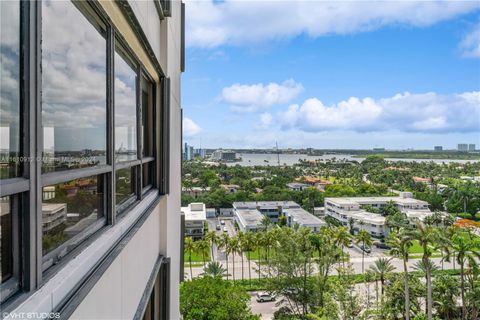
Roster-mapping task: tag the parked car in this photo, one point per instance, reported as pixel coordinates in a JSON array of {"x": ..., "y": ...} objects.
[
  {"x": 367, "y": 249},
  {"x": 382, "y": 245},
  {"x": 290, "y": 291},
  {"x": 218, "y": 227},
  {"x": 265, "y": 296},
  {"x": 222, "y": 222},
  {"x": 350, "y": 244},
  {"x": 225, "y": 229}
]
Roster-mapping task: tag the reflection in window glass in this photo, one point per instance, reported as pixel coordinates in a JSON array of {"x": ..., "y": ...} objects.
[
  {"x": 124, "y": 184},
  {"x": 147, "y": 174},
  {"x": 147, "y": 119},
  {"x": 125, "y": 111},
  {"x": 6, "y": 240},
  {"x": 9, "y": 89},
  {"x": 69, "y": 208},
  {"x": 73, "y": 89}
]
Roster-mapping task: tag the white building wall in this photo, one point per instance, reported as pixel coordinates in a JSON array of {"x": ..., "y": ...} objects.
[{"x": 118, "y": 292}]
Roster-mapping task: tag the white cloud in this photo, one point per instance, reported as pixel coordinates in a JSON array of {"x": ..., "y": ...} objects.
[
  {"x": 470, "y": 45},
  {"x": 427, "y": 112},
  {"x": 238, "y": 22},
  {"x": 190, "y": 128},
  {"x": 248, "y": 98},
  {"x": 265, "y": 120}
]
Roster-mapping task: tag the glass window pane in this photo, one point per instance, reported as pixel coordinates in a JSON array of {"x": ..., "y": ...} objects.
[
  {"x": 124, "y": 184},
  {"x": 147, "y": 119},
  {"x": 6, "y": 239},
  {"x": 73, "y": 89},
  {"x": 147, "y": 174},
  {"x": 125, "y": 111},
  {"x": 68, "y": 208},
  {"x": 9, "y": 89}
]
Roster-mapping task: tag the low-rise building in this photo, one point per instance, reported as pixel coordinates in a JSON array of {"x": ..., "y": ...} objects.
[
  {"x": 271, "y": 209},
  {"x": 54, "y": 214},
  {"x": 248, "y": 219},
  {"x": 223, "y": 155},
  {"x": 195, "y": 218},
  {"x": 350, "y": 209},
  {"x": 302, "y": 218},
  {"x": 249, "y": 215},
  {"x": 297, "y": 186},
  {"x": 195, "y": 192}
]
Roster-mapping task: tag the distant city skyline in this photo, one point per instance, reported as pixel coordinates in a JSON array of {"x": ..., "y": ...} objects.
[{"x": 405, "y": 75}]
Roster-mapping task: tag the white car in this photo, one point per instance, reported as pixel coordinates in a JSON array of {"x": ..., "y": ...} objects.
[
  {"x": 222, "y": 222},
  {"x": 225, "y": 229},
  {"x": 265, "y": 296}
]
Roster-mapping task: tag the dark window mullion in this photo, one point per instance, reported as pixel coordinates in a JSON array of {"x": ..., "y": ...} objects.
[
  {"x": 110, "y": 177},
  {"x": 140, "y": 145},
  {"x": 31, "y": 219}
]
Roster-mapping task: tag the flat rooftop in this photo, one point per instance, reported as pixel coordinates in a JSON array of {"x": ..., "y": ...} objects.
[
  {"x": 302, "y": 217},
  {"x": 195, "y": 212},
  {"x": 368, "y": 200},
  {"x": 265, "y": 204},
  {"x": 250, "y": 217}
]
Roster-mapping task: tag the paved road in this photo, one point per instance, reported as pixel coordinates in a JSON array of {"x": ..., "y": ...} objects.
[{"x": 356, "y": 264}]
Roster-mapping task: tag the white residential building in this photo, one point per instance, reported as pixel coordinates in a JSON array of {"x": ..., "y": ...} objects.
[
  {"x": 195, "y": 218},
  {"x": 271, "y": 209},
  {"x": 248, "y": 219},
  {"x": 249, "y": 215},
  {"x": 346, "y": 208},
  {"x": 302, "y": 218}
]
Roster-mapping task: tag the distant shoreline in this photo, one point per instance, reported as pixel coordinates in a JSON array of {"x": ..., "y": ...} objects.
[{"x": 421, "y": 155}]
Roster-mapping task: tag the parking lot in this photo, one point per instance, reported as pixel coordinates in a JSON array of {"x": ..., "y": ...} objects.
[
  {"x": 229, "y": 224},
  {"x": 266, "y": 309}
]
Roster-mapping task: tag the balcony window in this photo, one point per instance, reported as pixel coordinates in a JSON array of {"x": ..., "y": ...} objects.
[
  {"x": 69, "y": 210},
  {"x": 125, "y": 110},
  {"x": 92, "y": 130},
  {"x": 10, "y": 89},
  {"x": 6, "y": 239},
  {"x": 125, "y": 185},
  {"x": 74, "y": 89}
]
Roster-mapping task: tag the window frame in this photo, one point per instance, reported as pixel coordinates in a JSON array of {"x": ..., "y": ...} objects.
[{"x": 32, "y": 267}]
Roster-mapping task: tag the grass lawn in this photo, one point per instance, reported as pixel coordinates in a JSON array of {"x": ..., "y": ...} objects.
[
  {"x": 416, "y": 248},
  {"x": 196, "y": 258}
]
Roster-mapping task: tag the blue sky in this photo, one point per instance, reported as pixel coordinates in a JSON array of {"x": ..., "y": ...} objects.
[{"x": 332, "y": 75}]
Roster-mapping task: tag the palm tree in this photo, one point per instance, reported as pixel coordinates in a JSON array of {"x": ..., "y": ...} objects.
[
  {"x": 249, "y": 246},
  {"x": 241, "y": 247},
  {"x": 381, "y": 268},
  {"x": 233, "y": 247},
  {"x": 269, "y": 239},
  {"x": 258, "y": 243},
  {"x": 400, "y": 247},
  {"x": 423, "y": 266},
  {"x": 223, "y": 244},
  {"x": 202, "y": 247},
  {"x": 426, "y": 237},
  {"x": 214, "y": 269},
  {"x": 342, "y": 239},
  {"x": 265, "y": 223},
  {"x": 189, "y": 247},
  {"x": 365, "y": 238},
  {"x": 211, "y": 237},
  {"x": 467, "y": 249}
]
